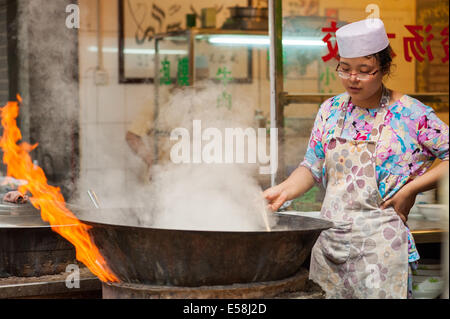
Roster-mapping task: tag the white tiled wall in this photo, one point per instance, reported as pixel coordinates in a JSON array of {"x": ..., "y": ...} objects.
[
  {"x": 137, "y": 97},
  {"x": 107, "y": 164}
]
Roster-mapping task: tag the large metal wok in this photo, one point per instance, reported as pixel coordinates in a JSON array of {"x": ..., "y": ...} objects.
[{"x": 192, "y": 258}]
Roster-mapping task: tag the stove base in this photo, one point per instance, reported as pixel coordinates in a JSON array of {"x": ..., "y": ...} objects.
[
  {"x": 296, "y": 285},
  {"x": 50, "y": 287}
]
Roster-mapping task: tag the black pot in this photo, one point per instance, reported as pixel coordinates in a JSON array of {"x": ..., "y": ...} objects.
[
  {"x": 28, "y": 246},
  {"x": 190, "y": 258}
]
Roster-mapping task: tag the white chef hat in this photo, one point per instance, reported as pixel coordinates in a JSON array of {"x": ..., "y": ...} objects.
[{"x": 361, "y": 38}]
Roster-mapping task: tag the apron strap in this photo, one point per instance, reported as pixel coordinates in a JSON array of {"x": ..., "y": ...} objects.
[{"x": 340, "y": 123}]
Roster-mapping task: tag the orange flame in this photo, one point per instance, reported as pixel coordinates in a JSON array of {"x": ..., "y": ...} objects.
[{"x": 48, "y": 198}]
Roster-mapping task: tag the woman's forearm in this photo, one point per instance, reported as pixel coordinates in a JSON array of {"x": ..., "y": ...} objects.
[
  {"x": 299, "y": 182},
  {"x": 429, "y": 180}
]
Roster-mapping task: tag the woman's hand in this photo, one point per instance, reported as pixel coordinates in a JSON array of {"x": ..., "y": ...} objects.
[
  {"x": 276, "y": 196},
  {"x": 402, "y": 202},
  {"x": 405, "y": 198},
  {"x": 298, "y": 183}
]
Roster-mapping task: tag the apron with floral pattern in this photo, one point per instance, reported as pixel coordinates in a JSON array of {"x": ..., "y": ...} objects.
[{"x": 365, "y": 253}]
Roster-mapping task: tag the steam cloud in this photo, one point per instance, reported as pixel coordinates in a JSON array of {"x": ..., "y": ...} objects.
[
  {"x": 223, "y": 197},
  {"x": 206, "y": 196}
]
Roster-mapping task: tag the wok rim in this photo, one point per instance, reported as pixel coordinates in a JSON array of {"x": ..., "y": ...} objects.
[{"x": 200, "y": 231}]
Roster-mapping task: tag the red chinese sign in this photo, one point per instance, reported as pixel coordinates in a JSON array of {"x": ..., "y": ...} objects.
[
  {"x": 332, "y": 49},
  {"x": 417, "y": 45},
  {"x": 444, "y": 43}
]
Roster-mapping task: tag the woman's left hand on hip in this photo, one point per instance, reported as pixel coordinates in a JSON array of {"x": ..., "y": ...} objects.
[{"x": 402, "y": 202}]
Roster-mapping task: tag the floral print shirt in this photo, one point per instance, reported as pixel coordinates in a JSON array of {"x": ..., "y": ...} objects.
[{"x": 413, "y": 137}]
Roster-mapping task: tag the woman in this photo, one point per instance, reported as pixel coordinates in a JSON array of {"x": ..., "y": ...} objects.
[{"x": 370, "y": 147}]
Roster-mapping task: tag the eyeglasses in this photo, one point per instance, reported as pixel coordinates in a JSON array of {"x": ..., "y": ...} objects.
[{"x": 359, "y": 76}]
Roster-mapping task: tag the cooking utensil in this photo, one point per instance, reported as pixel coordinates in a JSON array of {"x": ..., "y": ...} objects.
[
  {"x": 178, "y": 257},
  {"x": 248, "y": 12},
  {"x": 93, "y": 198},
  {"x": 247, "y": 18},
  {"x": 263, "y": 209}
]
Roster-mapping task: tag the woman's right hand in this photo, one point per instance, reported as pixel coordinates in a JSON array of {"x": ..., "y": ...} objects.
[
  {"x": 276, "y": 196},
  {"x": 299, "y": 182}
]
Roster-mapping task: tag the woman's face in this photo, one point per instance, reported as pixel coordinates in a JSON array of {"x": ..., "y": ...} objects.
[{"x": 361, "y": 90}]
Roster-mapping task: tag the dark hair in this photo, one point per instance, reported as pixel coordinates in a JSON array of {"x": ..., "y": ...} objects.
[{"x": 384, "y": 58}]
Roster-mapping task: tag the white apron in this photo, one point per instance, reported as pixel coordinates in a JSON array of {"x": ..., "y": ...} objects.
[{"x": 365, "y": 254}]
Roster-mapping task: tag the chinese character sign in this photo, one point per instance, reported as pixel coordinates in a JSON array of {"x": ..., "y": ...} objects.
[
  {"x": 417, "y": 46},
  {"x": 183, "y": 72},
  {"x": 332, "y": 49},
  {"x": 165, "y": 72},
  {"x": 444, "y": 42},
  {"x": 325, "y": 80},
  {"x": 416, "y": 43},
  {"x": 224, "y": 76}
]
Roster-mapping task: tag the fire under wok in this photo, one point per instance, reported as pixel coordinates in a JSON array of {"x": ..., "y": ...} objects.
[{"x": 193, "y": 258}]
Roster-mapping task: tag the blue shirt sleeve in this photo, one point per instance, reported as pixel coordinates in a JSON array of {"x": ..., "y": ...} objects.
[
  {"x": 315, "y": 155},
  {"x": 433, "y": 135}
]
